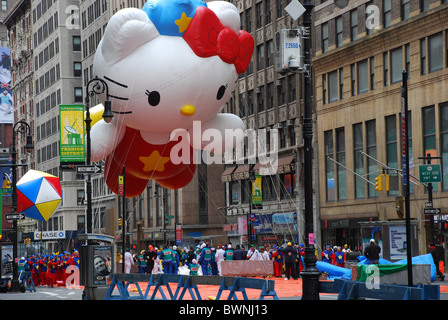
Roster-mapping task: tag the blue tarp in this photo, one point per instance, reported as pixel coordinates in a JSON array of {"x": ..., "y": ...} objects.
[{"x": 335, "y": 272}]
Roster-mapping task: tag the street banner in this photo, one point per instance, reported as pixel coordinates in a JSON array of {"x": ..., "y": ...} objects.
[
  {"x": 72, "y": 133},
  {"x": 257, "y": 193}
]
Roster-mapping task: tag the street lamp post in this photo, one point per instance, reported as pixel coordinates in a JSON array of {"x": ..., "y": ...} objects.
[
  {"x": 19, "y": 127},
  {"x": 95, "y": 86},
  {"x": 310, "y": 274},
  {"x": 99, "y": 87}
]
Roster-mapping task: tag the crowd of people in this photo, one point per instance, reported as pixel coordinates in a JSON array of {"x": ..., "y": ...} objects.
[
  {"x": 286, "y": 259},
  {"x": 47, "y": 270}
]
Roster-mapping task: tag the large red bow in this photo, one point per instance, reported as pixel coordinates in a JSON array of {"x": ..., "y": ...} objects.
[{"x": 208, "y": 37}]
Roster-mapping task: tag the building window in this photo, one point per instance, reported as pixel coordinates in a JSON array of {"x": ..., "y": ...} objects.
[
  {"x": 325, "y": 37},
  {"x": 405, "y": 9},
  {"x": 249, "y": 20},
  {"x": 260, "y": 57},
  {"x": 339, "y": 34},
  {"x": 292, "y": 87},
  {"x": 250, "y": 102},
  {"x": 270, "y": 98},
  {"x": 242, "y": 105},
  {"x": 387, "y": 13},
  {"x": 77, "y": 69},
  {"x": 4, "y": 5},
  {"x": 391, "y": 144},
  {"x": 80, "y": 196},
  {"x": 270, "y": 53},
  {"x": 358, "y": 145},
  {"x": 76, "y": 43},
  {"x": 329, "y": 165},
  {"x": 423, "y": 56},
  {"x": 372, "y": 73},
  {"x": 340, "y": 158},
  {"x": 333, "y": 86},
  {"x": 259, "y": 14},
  {"x": 260, "y": 98},
  {"x": 424, "y": 5},
  {"x": 279, "y": 8},
  {"x": 354, "y": 24},
  {"x": 341, "y": 83},
  {"x": 407, "y": 61},
  {"x": 429, "y": 131},
  {"x": 435, "y": 52},
  {"x": 386, "y": 68},
  {"x": 396, "y": 65},
  {"x": 353, "y": 78},
  {"x": 78, "y": 94},
  {"x": 267, "y": 10},
  {"x": 429, "y": 134},
  {"x": 324, "y": 89},
  {"x": 369, "y": 13},
  {"x": 363, "y": 76},
  {"x": 371, "y": 151},
  {"x": 281, "y": 91},
  {"x": 444, "y": 142}
]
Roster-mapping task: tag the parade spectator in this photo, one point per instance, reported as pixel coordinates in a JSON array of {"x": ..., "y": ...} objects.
[
  {"x": 176, "y": 260},
  {"x": 238, "y": 253},
  {"x": 253, "y": 254},
  {"x": 142, "y": 267},
  {"x": 149, "y": 257},
  {"x": 219, "y": 257},
  {"x": 205, "y": 259},
  {"x": 128, "y": 261},
  {"x": 264, "y": 255},
  {"x": 289, "y": 254},
  {"x": 372, "y": 252},
  {"x": 194, "y": 267},
  {"x": 167, "y": 259},
  {"x": 436, "y": 258}
]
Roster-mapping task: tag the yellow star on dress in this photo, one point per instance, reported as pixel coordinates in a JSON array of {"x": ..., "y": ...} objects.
[
  {"x": 154, "y": 162},
  {"x": 183, "y": 22}
]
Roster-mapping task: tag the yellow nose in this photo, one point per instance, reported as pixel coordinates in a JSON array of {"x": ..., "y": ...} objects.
[{"x": 188, "y": 110}]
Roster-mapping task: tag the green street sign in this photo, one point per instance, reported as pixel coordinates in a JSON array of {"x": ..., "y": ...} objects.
[
  {"x": 430, "y": 173},
  {"x": 169, "y": 217}
]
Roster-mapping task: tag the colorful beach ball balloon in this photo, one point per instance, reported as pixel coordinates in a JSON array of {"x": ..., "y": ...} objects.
[{"x": 38, "y": 195}]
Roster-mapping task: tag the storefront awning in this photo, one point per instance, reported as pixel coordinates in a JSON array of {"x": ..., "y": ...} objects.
[
  {"x": 226, "y": 176},
  {"x": 241, "y": 172},
  {"x": 284, "y": 165}
]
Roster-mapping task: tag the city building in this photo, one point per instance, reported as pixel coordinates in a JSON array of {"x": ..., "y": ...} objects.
[
  {"x": 6, "y": 121},
  {"x": 361, "y": 50},
  {"x": 46, "y": 61},
  {"x": 271, "y": 105}
]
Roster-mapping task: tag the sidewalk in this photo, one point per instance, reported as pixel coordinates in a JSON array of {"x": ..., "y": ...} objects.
[{"x": 285, "y": 289}]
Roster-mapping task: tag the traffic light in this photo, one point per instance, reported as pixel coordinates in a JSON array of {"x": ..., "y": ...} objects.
[
  {"x": 379, "y": 183},
  {"x": 120, "y": 221},
  {"x": 387, "y": 181}
]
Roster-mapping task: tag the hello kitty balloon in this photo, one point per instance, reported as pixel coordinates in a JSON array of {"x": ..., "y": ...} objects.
[{"x": 168, "y": 66}]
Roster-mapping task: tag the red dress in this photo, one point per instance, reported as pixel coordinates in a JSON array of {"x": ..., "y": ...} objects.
[{"x": 144, "y": 161}]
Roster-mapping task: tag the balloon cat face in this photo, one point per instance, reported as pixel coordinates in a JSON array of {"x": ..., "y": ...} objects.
[{"x": 158, "y": 83}]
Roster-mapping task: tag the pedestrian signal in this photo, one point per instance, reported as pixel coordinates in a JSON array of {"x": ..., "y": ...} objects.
[{"x": 379, "y": 183}]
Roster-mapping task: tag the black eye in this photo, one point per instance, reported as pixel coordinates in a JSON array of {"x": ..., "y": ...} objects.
[
  {"x": 153, "y": 97},
  {"x": 221, "y": 91}
]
